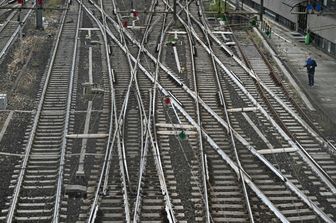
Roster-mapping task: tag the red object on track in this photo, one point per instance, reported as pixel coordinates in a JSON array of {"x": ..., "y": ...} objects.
[
  {"x": 134, "y": 13},
  {"x": 167, "y": 101},
  {"x": 125, "y": 24}
]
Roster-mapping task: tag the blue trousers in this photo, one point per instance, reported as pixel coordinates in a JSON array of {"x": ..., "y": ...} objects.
[{"x": 311, "y": 79}]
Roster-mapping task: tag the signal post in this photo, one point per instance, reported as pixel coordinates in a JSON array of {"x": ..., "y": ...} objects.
[{"x": 38, "y": 12}]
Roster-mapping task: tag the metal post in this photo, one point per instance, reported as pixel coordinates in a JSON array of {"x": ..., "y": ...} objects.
[
  {"x": 237, "y": 5},
  {"x": 261, "y": 12},
  {"x": 225, "y": 6},
  {"x": 39, "y": 10},
  {"x": 20, "y": 23},
  {"x": 20, "y": 33},
  {"x": 175, "y": 17}
]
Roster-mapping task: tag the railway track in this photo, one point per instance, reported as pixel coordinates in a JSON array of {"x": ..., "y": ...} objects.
[
  {"x": 129, "y": 153},
  {"x": 36, "y": 184},
  {"x": 196, "y": 131},
  {"x": 308, "y": 143},
  {"x": 294, "y": 195},
  {"x": 11, "y": 29},
  {"x": 239, "y": 73}
]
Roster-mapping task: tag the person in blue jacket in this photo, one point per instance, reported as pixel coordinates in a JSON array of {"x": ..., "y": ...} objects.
[
  {"x": 310, "y": 65},
  {"x": 309, "y": 7}
]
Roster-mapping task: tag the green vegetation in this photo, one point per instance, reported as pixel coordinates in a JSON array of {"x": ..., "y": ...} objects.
[{"x": 219, "y": 6}]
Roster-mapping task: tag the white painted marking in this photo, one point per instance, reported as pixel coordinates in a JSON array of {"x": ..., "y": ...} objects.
[
  {"x": 179, "y": 126},
  {"x": 281, "y": 150},
  {"x": 89, "y": 29},
  {"x": 230, "y": 43},
  {"x": 137, "y": 27},
  {"x": 178, "y": 65},
  {"x": 222, "y": 32},
  {"x": 11, "y": 154},
  {"x": 90, "y": 65},
  {"x": 172, "y": 132},
  {"x": 176, "y": 32},
  {"x": 242, "y": 109},
  {"x": 86, "y": 136}
]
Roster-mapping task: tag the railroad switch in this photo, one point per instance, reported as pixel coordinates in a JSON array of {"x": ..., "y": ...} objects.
[
  {"x": 76, "y": 190},
  {"x": 90, "y": 89},
  {"x": 78, "y": 187}
]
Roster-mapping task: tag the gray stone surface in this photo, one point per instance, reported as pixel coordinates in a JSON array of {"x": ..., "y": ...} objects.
[{"x": 294, "y": 53}]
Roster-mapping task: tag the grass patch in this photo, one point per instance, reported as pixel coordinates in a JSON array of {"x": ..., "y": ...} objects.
[{"x": 21, "y": 53}]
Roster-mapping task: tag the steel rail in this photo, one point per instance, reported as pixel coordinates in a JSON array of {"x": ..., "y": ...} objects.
[
  {"x": 121, "y": 119},
  {"x": 108, "y": 155},
  {"x": 168, "y": 209},
  {"x": 270, "y": 166},
  {"x": 66, "y": 126},
  {"x": 34, "y": 127},
  {"x": 221, "y": 153},
  {"x": 145, "y": 137},
  {"x": 315, "y": 168},
  {"x": 116, "y": 136},
  {"x": 302, "y": 152},
  {"x": 124, "y": 107},
  {"x": 235, "y": 168},
  {"x": 199, "y": 122},
  {"x": 143, "y": 162},
  {"x": 330, "y": 185},
  {"x": 132, "y": 80},
  {"x": 95, "y": 206},
  {"x": 221, "y": 95},
  {"x": 144, "y": 151},
  {"x": 109, "y": 146},
  {"x": 214, "y": 145},
  {"x": 8, "y": 20},
  {"x": 155, "y": 151},
  {"x": 291, "y": 99},
  {"x": 252, "y": 74},
  {"x": 11, "y": 40},
  {"x": 290, "y": 185},
  {"x": 3, "y": 2},
  {"x": 164, "y": 189},
  {"x": 157, "y": 67},
  {"x": 123, "y": 169}
]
